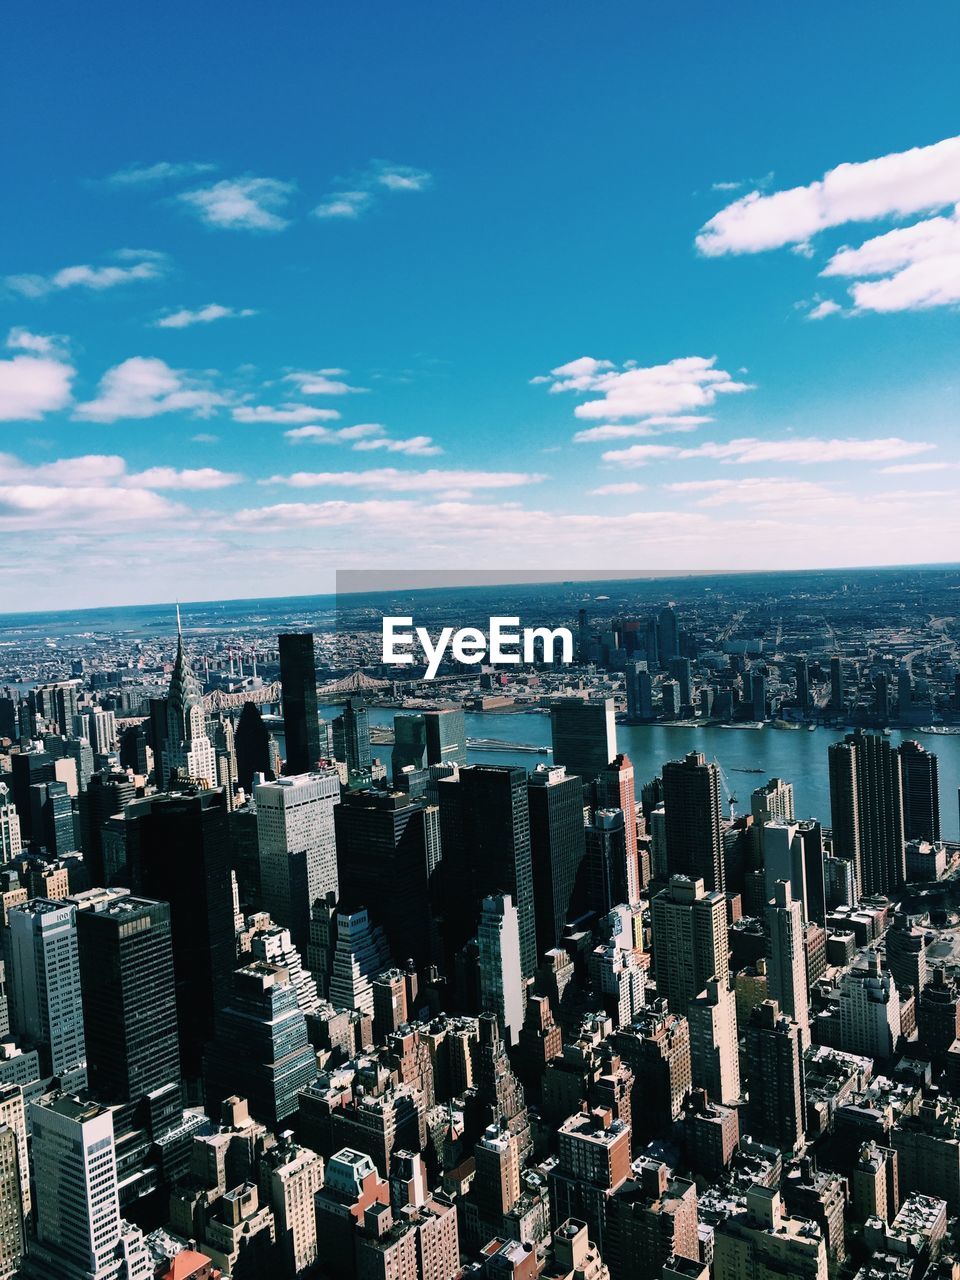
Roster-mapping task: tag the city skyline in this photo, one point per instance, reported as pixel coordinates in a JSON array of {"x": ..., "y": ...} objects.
[{"x": 573, "y": 315}]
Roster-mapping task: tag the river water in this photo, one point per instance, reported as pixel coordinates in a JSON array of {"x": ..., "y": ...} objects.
[{"x": 796, "y": 755}]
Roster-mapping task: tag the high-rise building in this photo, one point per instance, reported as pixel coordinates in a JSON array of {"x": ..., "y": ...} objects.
[
  {"x": 787, "y": 963},
  {"x": 351, "y": 737},
  {"x": 772, "y": 802},
  {"x": 12, "y": 1236},
  {"x": 501, "y": 980},
  {"x": 290, "y": 1177},
  {"x": 485, "y": 836},
  {"x": 129, "y": 1001},
  {"x": 409, "y": 743},
  {"x": 108, "y": 792},
  {"x": 188, "y": 754},
  {"x": 714, "y": 1054},
  {"x": 13, "y": 1119},
  {"x": 639, "y": 691},
  {"x": 593, "y": 1161},
  {"x": 763, "y": 1242},
  {"x": 774, "y": 1069},
  {"x": 869, "y": 1009},
  {"x": 668, "y": 635},
  {"x": 46, "y": 1008},
  {"x": 297, "y": 844},
  {"x": 921, "y": 792},
  {"x": 359, "y": 954},
  {"x": 446, "y": 736},
  {"x": 615, "y": 790},
  {"x": 802, "y": 670},
  {"x": 557, "y": 848},
  {"x": 837, "y": 694},
  {"x": 51, "y": 818},
  {"x": 26, "y": 769},
  {"x": 79, "y": 1232},
  {"x": 382, "y": 852},
  {"x": 584, "y": 736},
  {"x": 298, "y": 683},
  {"x": 261, "y": 1051},
  {"x": 10, "y": 842},
  {"x": 694, "y": 820},
  {"x": 178, "y": 849},
  {"x": 866, "y": 807},
  {"x": 252, "y": 742},
  {"x": 690, "y": 944}
]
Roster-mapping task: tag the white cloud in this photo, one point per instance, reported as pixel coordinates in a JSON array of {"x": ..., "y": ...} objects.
[
  {"x": 321, "y": 383},
  {"x": 247, "y": 204},
  {"x": 329, "y": 435},
  {"x": 655, "y": 393},
  {"x": 825, "y": 308},
  {"x": 170, "y": 478},
  {"x": 648, "y": 427},
  {"x": 892, "y": 186},
  {"x": 421, "y": 446},
  {"x": 614, "y": 490},
  {"x": 283, "y": 414},
  {"x": 144, "y": 264},
  {"x": 391, "y": 480},
  {"x": 803, "y": 451},
  {"x": 204, "y": 437},
  {"x": 354, "y": 197},
  {"x": 916, "y": 468},
  {"x": 36, "y": 382},
  {"x": 143, "y": 387},
  {"x": 25, "y": 506},
  {"x": 163, "y": 171},
  {"x": 920, "y": 265},
  {"x": 204, "y": 315}
]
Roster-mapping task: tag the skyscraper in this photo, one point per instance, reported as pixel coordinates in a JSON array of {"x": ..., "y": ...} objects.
[
  {"x": 297, "y": 844},
  {"x": 866, "y": 806},
  {"x": 611, "y": 877},
  {"x": 501, "y": 982},
  {"x": 774, "y": 1078},
  {"x": 381, "y": 841},
  {"x": 188, "y": 753},
  {"x": 26, "y": 769},
  {"x": 639, "y": 691},
  {"x": 787, "y": 964},
  {"x": 253, "y": 747},
  {"x": 446, "y": 736},
  {"x": 668, "y": 635},
  {"x": 837, "y": 692},
  {"x": 10, "y": 842},
  {"x": 714, "y": 1054},
  {"x": 921, "y": 792},
  {"x": 485, "y": 836},
  {"x": 409, "y": 743},
  {"x": 584, "y": 735},
  {"x": 108, "y": 792},
  {"x": 557, "y": 848},
  {"x": 616, "y": 790},
  {"x": 689, "y": 940},
  {"x": 694, "y": 818},
  {"x": 803, "y": 685},
  {"x": 129, "y": 1001},
  {"x": 774, "y": 800},
  {"x": 44, "y": 972},
  {"x": 351, "y": 737},
  {"x": 178, "y": 850},
  {"x": 298, "y": 683}
]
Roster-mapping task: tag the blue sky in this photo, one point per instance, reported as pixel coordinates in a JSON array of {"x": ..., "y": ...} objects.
[{"x": 616, "y": 287}]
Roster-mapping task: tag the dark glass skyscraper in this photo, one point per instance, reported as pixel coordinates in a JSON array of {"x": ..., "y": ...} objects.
[
  {"x": 694, "y": 820},
  {"x": 866, "y": 807},
  {"x": 584, "y": 736},
  {"x": 409, "y": 743},
  {"x": 921, "y": 792},
  {"x": 485, "y": 837},
  {"x": 178, "y": 850},
  {"x": 129, "y": 1000},
  {"x": 298, "y": 683},
  {"x": 351, "y": 736},
  {"x": 252, "y": 745},
  {"x": 557, "y": 847},
  {"x": 446, "y": 736},
  {"x": 108, "y": 792}
]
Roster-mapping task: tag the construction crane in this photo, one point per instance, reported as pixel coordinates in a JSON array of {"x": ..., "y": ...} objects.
[{"x": 731, "y": 798}]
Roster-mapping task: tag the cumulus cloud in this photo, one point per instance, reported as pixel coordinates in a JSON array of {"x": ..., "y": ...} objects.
[
  {"x": 802, "y": 451},
  {"x": 170, "y": 478},
  {"x": 244, "y": 204},
  {"x": 392, "y": 480},
  {"x": 204, "y": 315},
  {"x": 663, "y": 394},
  {"x": 357, "y": 195},
  {"x": 891, "y": 186},
  {"x": 133, "y": 265},
  {"x": 144, "y": 387},
  {"x": 26, "y": 506},
  {"x": 322, "y": 382},
  {"x": 36, "y": 381},
  {"x": 144, "y": 175}
]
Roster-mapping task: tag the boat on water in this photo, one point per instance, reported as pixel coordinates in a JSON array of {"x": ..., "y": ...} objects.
[
  {"x": 746, "y": 724},
  {"x": 744, "y": 769}
]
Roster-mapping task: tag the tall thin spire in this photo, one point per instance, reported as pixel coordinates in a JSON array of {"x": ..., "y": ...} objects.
[{"x": 179, "y": 628}]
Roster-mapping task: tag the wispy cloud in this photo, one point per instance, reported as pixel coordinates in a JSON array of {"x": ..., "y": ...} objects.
[
  {"x": 391, "y": 480},
  {"x": 144, "y": 387},
  {"x": 200, "y": 478},
  {"x": 354, "y": 196},
  {"x": 618, "y": 490},
  {"x": 803, "y": 451},
  {"x": 364, "y": 437},
  {"x": 144, "y": 175},
  {"x": 184, "y": 318},
  {"x": 421, "y": 446},
  {"x": 637, "y": 430},
  {"x": 283, "y": 414},
  {"x": 132, "y": 266},
  {"x": 322, "y": 382},
  {"x": 242, "y": 204},
  {"x": 36, "y": 381},
  {"x": 664, "y": 394}
]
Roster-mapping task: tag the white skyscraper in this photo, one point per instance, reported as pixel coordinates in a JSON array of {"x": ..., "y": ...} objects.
[
  {"x": 78, "y": 1225},
  {"x": 187, "y": 751},
  {"x": 869, "y": 1009},
  {"x": 10, "y": 844},
  {"x": 501, "y": 977},
  {"x": 784, "y": 858},
  {"x": 714, "y": 1055},
  {"x": 360, "y": 954},
  {"x": 45, "y": 1004},
  {"x": 298, "y": 849},
  {"x": 787, "y": 965}
]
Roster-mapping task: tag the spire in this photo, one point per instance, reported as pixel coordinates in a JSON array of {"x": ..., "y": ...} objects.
[{"x": 179, "y": 628}]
